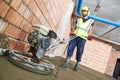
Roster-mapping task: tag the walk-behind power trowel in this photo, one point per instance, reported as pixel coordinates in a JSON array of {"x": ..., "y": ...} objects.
[{"x": 39, "y": 40}]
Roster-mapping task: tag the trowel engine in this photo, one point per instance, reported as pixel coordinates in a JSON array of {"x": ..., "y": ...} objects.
[{"x": 40, "y": 42}]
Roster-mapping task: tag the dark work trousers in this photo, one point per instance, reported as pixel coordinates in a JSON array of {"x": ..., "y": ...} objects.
[{"x": 79, "y": 43}]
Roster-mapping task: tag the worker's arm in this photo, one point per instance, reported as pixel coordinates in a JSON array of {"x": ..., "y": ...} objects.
[
  {"x": 72, "y": 31},
  {"x": 90, "y": 34}
]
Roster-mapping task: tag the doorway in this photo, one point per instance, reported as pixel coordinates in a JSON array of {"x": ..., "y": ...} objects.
[{"x": 117, "y": 69}]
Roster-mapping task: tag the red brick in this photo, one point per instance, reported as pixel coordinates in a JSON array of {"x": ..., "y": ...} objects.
[
  {"x": 25, "y": 26},
  {"x": 43, "y": 9},
  {"x": 22, "y": 35},
  {"x": 26, "y": 1},
  {"x": 3, "y": 9},
  {"x": 53, "y": 17},
  {"x": 16, "y": 33},
  {"x": 20, "y": 46},
  {"x": 26, "y": 38},
  {"x": 19, "y": 34},
  {"x": 13, "y": 43},
  {"x": 38, "y": 2},
  {"x": 8, "y": 1},
  {"x": 46, "y": 1},
  {"x": 1, "y": 1},
  {"x": 10, "y": 30},
  {"x": 46, "y": 23},
  {"x": 21, "y": 9},
  {"x": 42, "y": 19},
  {"x": 15, "y": 4},
  {"x": 30, "y": 18},
  {"x": 50, "y": 21},
  {"x": 27, "y": 13},
  {"x": 41, "y": 5},
  {"x": 35, "y": 21},
  {"x": 14, "y": 18},
  {"x": 26, "y": 47},
  {"x": 56, "y": 4},
  {"x": 29, "y": 31},
  {"x": 32, "y": 5},
  {"x": 47, "y": 4},
  {"x": 45, "y": 12},
  {"x": 37, "y": 12}
]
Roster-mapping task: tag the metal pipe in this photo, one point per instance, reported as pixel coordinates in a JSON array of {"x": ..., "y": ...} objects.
[
  {"x": 106, "y": 40},
  {"x": 79, "y": 6},
  {"x": 107, "y": 32},
  {"x": 110, "y": 29},
  {"x": 116, "y": 24}
]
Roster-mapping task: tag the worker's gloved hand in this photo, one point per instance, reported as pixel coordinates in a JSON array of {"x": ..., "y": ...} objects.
[
  {"x": 72, "y": 31},
  {"x": 71, "y": 34},
  {"x": 90, "y": 38}
]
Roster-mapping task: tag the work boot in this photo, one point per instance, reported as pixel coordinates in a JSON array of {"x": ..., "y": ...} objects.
[
  {"x": 66, "y": 62},
  {"x": 76, "y": 67}
]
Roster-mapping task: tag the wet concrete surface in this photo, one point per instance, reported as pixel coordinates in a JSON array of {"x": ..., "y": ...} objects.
[{"x": 9, "y": 71}]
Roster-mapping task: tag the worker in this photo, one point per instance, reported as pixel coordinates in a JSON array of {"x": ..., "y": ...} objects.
[{"x": 82, "y": 31}]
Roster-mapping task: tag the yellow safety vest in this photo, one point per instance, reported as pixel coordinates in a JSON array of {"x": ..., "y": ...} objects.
[{"x": 82, "y": 28}]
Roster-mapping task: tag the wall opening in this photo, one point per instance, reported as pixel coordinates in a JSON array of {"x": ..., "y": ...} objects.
[{"x": 116, "y": 73}]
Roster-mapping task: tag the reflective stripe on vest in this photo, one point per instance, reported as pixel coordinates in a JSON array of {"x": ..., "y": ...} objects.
[{"x": 83, "y": 28}]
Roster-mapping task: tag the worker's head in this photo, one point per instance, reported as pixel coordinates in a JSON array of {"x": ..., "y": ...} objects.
[{"x": 85, "y": 11}]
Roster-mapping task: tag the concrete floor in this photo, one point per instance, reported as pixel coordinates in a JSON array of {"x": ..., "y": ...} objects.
[{"x": 9, "y": 71}]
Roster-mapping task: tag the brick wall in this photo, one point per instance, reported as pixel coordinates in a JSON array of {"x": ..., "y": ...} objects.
[
  {"x": 18, "y": 16},
  {"x": 96, "y": 55}
]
